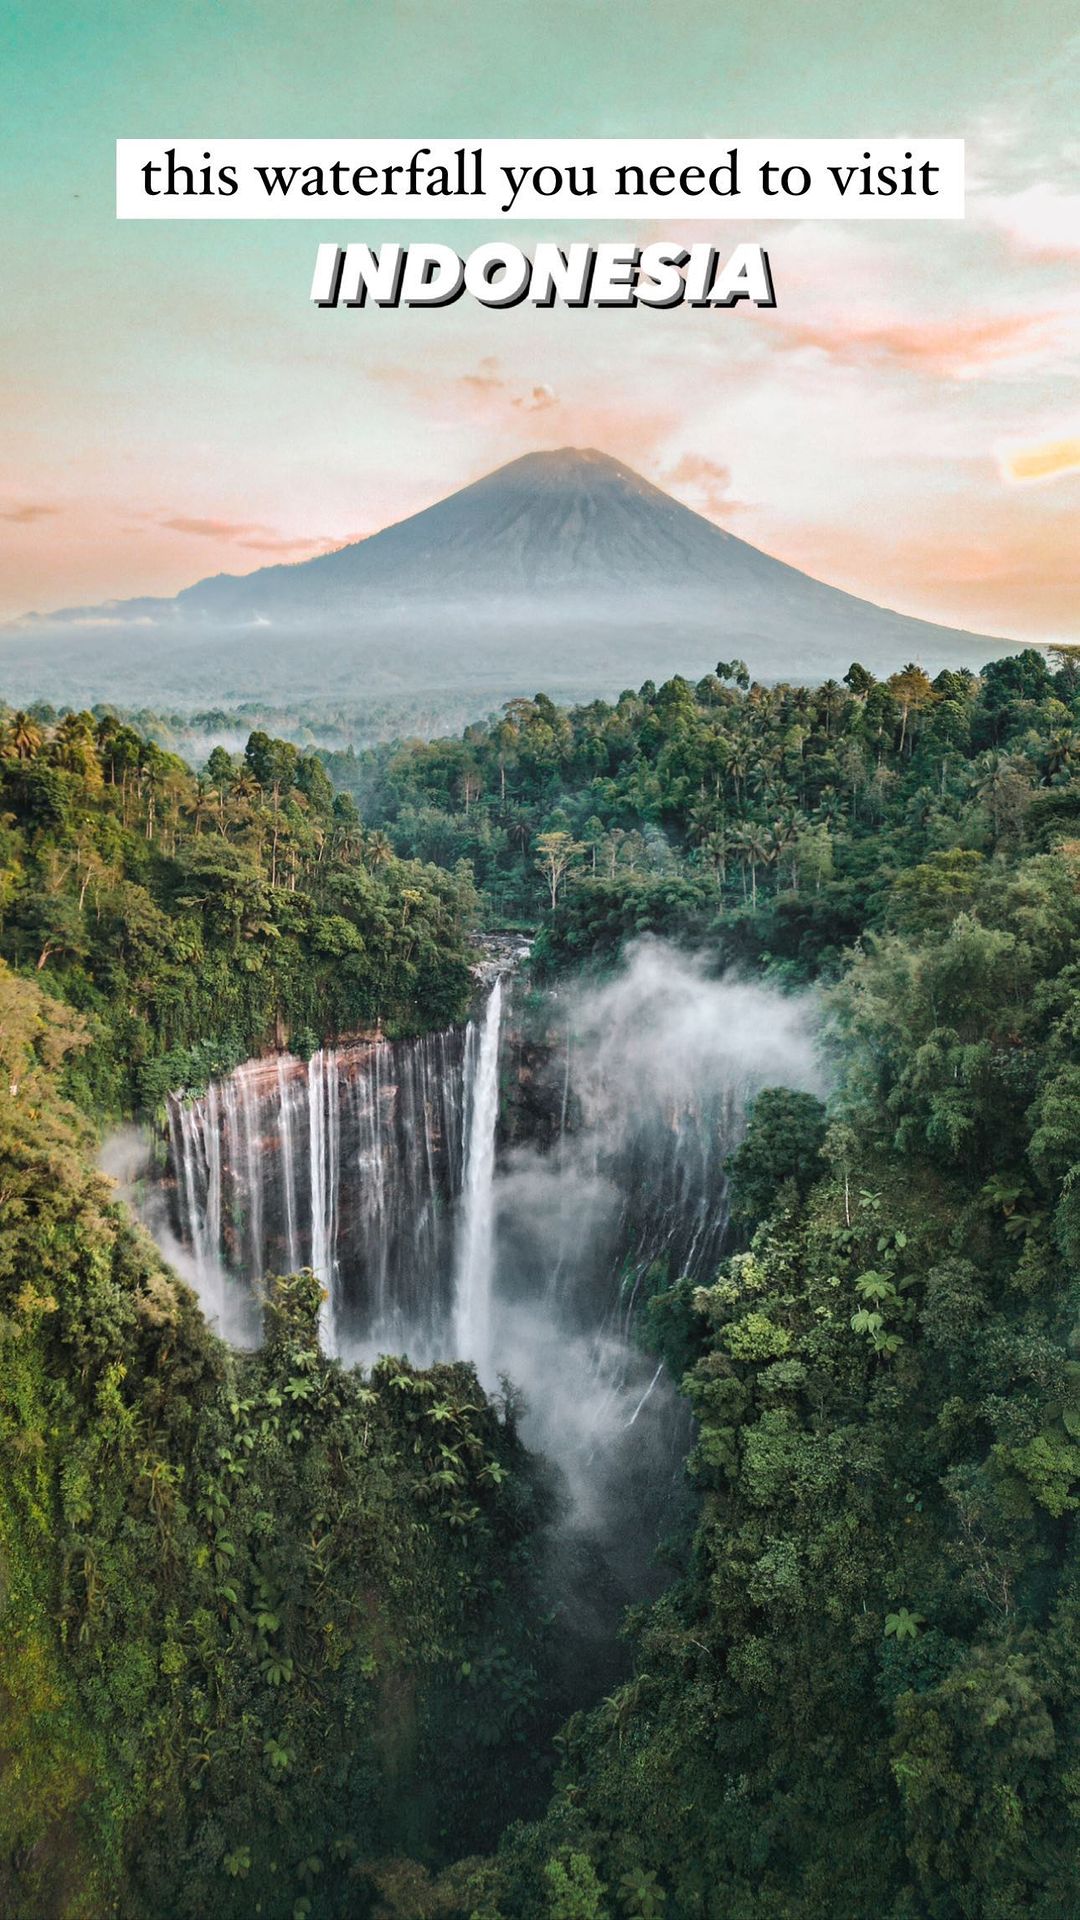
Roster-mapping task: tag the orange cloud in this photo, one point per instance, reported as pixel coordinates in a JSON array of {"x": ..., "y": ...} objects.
[
  {"x": 484, "y": 389},
  {"x": 481, "y": 382},
  {"x": 24, "y": 516},
  {"x": 707, "y": 482},
  {"x": 248, "y": 533},
  {"x": 538, "y": 400},
  {"x": 1047, "y": 461},
  {"x": 951, "y": 348},
  {"x": 272, "y": 544},
  {"x": 211, "y": 529},
  {"x": 487, "y": 378}
]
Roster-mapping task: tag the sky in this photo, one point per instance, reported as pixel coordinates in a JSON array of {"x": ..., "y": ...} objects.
[{"x": 905, "y": 424}]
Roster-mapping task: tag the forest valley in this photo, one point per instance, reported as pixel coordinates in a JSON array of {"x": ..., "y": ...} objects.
[{"x": 282, "y": 1637}]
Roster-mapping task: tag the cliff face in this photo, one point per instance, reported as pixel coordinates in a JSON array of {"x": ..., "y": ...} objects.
[
  {"x": 348, "y": 1163},
  {"x": 356, "y": 1163}
]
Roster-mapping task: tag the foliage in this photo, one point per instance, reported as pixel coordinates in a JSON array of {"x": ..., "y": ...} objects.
[
  {"x": 863, "y": 1695},
  {"x": 272, "y": 1636},
  {"x": 781, "y": 820},
  {"x": 784, "y": 1137},
  {"x": 240, "y": 1592},
  {"x": 194, "y": 920}
]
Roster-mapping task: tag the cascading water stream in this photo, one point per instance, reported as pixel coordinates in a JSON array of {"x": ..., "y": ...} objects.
[
  {"x": 324, "y": 1136},
  {"x": 375, "y": 1164},
  {"x": 288, "y": 1162},
  {"x": 349, "y": 1163},
  {"x": 475, "y": 1266}
]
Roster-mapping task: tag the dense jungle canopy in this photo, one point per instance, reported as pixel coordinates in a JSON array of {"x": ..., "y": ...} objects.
[{"x": 284, "y": 1638}]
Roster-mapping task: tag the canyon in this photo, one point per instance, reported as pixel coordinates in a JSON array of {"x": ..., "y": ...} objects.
[{"x": 509, "y": 1193}]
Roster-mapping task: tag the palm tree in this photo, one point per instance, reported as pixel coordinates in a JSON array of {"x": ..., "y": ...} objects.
[
  {"x": 24, "y": 736},
  {"x": 153, "y": 771},
  {"x": 738, "y": 764},
  {"x": 75, "y": 748},
  {"x": 347, "y": 838},
  {"x": 1061, "y": 748},
  {"x": 378, "y": 851},
  {"x": 243, "y": 785},
  {"x": 714, "y": 849},
  {"x": 832, "y": 700},
  {"x": 202, "y": 801},
  {"x": 702, "y": 820},
  {"x": 753, "y": 847},
  {"x": 1002, "y": 779},
  {"x": 784, "y": 838},
  {"x": 830, "y": 808}
]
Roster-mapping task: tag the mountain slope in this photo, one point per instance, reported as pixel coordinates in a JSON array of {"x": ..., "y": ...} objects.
[
  {"x": 573, "y": 522},
  {"x": 566, "y": 551}
]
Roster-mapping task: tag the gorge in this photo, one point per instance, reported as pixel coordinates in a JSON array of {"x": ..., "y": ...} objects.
[{"x": 508, "y": 1193}]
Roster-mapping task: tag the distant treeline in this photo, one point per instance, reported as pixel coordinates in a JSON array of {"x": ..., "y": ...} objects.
[
  {"x": 781, "y": 820},
  {"x": 331, "y": 724}
]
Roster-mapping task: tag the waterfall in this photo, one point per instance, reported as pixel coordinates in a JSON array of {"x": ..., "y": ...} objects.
[
  {"x": 476, "y": 1247},
  {"x": 183, "y": 1127},
  {"x": 373, "y": 1163},
  {"x": 350, "y": 1163},
  {"x": 324, "y": 1134},
  {"x": 288, "y": 1162},
  {"x": 196, "y": 1151}
]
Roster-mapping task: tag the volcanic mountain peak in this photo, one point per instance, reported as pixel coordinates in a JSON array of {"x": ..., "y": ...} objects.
[
  {"x": 559, "y": 461},
  {"x": 567, "y": 466},
  {"x": 571, "y": 473},
  {"x": 568, "y": 523},
  {"x": 563, "y": 569}
]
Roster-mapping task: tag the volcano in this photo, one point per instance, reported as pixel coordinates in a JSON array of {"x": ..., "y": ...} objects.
[{"x": 564, "y": 571}]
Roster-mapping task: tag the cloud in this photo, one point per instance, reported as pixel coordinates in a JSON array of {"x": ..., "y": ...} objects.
[
  {"x": 483, "y": 389},
  {"x": 538, "y": 400},
  {"x": 486, "y": 379},
  {"x": 251, "y": 534},
  {"x": 25, "y": 515},
  {"x": 1040, "y": 221},
  {"x": 707, "y": 481},
  {"x": 1047, "y": 460},
  {"x": 323, "y": 543},
  {"x": 212, "y": 529},
  {"x": 956, "y": 347}
]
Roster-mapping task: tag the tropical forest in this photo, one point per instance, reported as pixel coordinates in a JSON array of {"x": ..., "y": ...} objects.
[{"x": 540, "y": 1309}]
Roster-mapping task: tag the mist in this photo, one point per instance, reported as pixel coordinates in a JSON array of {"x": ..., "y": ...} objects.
[
  {"x": 649, "y": 1074},
  {"x": 471, "y": 1197},
  {"x": 128, "y": 1157}
]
